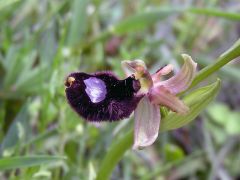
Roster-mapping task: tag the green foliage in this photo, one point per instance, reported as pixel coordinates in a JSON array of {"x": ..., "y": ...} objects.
[
  {"x": 215, "y": 12},
  {"x": 173, "y": 153},
  {"x": 17, "y": 133},
  {"x": 114, "y": 155},
  {"x": 196, "y": 101},
  {"x": 29, "y": 161},
  {"x": 5, "y": 4},
  {"x": 41, "y": 42},
  {"x": 226, "y": 118},
  {"x": 77, "y": 28},
  {"x": 142, "y": 20}
]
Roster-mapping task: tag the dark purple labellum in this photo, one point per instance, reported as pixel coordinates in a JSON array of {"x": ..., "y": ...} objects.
[{"x": 102, "y": 96}]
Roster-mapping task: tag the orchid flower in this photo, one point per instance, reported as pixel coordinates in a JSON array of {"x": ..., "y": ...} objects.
[
  {"x": 156, "y": 93},
  {"x": 101, "y": 96}
]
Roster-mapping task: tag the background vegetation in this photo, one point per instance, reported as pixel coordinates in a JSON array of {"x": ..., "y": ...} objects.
[{"x": 41, "y": 42}]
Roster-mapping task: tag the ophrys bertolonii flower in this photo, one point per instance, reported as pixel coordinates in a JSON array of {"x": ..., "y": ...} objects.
[{"x": 103, "y": 97}]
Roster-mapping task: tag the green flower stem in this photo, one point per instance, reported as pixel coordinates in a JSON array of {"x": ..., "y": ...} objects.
[
  {"x": 118, "y": 149},
  {"x": 226, "y": 57},
  {"x": 114, "y": 155}
]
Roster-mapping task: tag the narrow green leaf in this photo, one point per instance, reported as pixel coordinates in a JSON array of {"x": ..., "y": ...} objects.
[
  {"x": 33, "y": 80},
  {"x": 79, "y": 21},
  {"x": 143, "y": 20},
  {"x": 230, "y": 72},
  {"x": 4, "y": 4},
  {"x": 48, "y": 44},
  {"x": 216, "y": 13},
  {"x": 114, "y": 155},
  {"x": 17, "y": 132},
  {"x": 27, "y": 161},
  {"x": 136, "y": 22},
  {"x": 232, "y": 53},
  {"x": 196, "y": 101},
  {"x": 40, "y": 137},
  {"x": 194, "y": 158},
  {"x": 12, "y": 65},
  {"x": 7, "y": 61}
]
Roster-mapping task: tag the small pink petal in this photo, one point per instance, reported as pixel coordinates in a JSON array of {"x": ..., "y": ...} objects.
[
  {"x": 146, "y": 124},
  {"x": 161, "y": 72},
  {"x": 183, "y": 79},
  {"x": 161, "y": 96}
]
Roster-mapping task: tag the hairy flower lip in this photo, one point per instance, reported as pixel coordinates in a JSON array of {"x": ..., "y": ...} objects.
[{"x": 111, "y": 100}]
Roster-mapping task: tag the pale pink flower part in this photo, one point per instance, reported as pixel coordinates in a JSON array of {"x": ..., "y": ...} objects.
[
  {"x": 146, "y": 113},
  {"x": 157, "y": 93},
  {"x": 182, "y": 80}
]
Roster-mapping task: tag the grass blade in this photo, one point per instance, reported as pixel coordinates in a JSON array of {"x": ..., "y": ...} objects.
[
  {"x": 215, "y": 12},
  {"x": 232, "y": 53},
  {"x": 4, "y": 4},
  {"x": 143, "y": 20},
  {"x": 78, "y": 23},
  {"x": 196, "y": 101},
  {"x": 17, "y": 132},
  {"x": 114, "y": 155},
  {"x": 27, "y": 161}
]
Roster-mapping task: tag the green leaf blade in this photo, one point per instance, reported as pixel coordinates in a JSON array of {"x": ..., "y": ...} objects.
[
  {"x": 196, "y": 101},
  {"x": 17, "y": 133},
  {"x": 232, "y": 53},
  {"x": 143, "y": 20},
  {"x": 5, "y": 4},
  {"x": 114, "y": 155},
  {"x": 78, "y": 22},
  {"x": 215, "y": 12},
  {"x": 26, "y": 161}
]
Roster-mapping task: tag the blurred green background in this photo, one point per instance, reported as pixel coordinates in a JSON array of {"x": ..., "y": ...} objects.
[{"x": 41, "y": 42}]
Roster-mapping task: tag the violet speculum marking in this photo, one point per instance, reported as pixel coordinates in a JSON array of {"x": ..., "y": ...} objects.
[{"x": 95, "y": 89}]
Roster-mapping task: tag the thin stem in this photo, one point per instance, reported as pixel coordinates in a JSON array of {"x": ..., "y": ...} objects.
[
  {"x": 114, "y": 155},
  {"x": 225, "y": 58}
]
